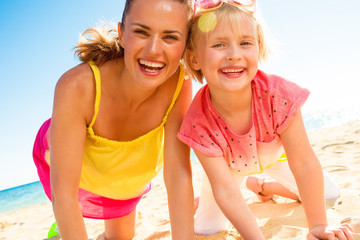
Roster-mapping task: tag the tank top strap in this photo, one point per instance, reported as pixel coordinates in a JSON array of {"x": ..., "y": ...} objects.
[
  {"x": 177, "y": 92},
  {"x": 96, "y": 72}
]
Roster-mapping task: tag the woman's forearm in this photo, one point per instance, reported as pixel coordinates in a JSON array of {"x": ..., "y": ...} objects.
[
  {"x": 181, "y": 206},
  {"x": 69, "y": 219}
]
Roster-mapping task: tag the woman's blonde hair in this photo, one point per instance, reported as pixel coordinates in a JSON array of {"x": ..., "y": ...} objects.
[
  {"x": 101, "y": 44},
  {"x": 232, "y": 14}
]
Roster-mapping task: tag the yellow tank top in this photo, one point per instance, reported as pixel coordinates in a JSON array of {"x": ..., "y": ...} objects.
[{"x": 122, "y": 170}]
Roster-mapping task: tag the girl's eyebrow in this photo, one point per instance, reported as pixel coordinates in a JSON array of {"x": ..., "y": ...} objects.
[{"x": 148, "y": 28}]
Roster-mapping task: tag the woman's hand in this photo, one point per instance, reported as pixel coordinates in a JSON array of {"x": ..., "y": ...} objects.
[{"x": 342, "y": 232}]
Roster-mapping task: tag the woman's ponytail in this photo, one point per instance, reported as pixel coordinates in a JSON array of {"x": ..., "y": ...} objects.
[{"x": 99, "y": 44}]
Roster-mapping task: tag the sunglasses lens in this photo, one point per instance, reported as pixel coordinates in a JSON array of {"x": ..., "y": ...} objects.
[
  {"x": 209, "y": 4},
  {"x": 245, "y": 2}
]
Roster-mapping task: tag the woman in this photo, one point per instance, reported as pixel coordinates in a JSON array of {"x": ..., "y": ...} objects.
[{"x": 115, "y": 118}]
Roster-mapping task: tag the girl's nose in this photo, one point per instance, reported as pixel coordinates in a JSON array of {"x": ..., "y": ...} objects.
[{"x": 234, "y": 54}]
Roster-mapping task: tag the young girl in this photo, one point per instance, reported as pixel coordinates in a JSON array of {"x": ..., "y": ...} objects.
[
  {"x": 243, "y": 121},
  {"x": 114, "y": 124}
]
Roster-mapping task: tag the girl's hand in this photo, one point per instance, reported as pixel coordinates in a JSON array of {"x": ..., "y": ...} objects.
[{"x": 342, "y": 232}]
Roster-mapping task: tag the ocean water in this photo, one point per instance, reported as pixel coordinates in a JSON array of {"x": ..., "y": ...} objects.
[
  {"x": 33, "y": 193},
  {"x": 22, "y": 196}
]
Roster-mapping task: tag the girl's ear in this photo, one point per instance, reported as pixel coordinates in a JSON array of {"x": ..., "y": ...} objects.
[
  {"x": 120, "y": 35},
  {"x": 191, "y": 59}
]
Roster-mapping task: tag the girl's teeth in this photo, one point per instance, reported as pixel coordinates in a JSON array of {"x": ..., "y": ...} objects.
[{"x": 232, "y": 71}]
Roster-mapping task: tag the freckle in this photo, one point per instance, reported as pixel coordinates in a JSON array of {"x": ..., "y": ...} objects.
[
  {"x": 255, "y": 162},
  {"x": 285, "y": 116},
  {"x": 245, "y": 165},
  {"x": 250, "y": 144},
  {"x": 212, "y": 143},
  {"x": 238, "y": 141},
  {"x": 273, "y": 132},
  {"x": 249, "y": 135},
  {"x": 240, "y": 156},
  {"x": 233, "y": 161},
  {"x": 238, "y": 170},
  {"x": 253, "y": 156}
]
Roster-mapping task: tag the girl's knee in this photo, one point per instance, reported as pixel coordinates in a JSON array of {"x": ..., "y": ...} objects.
[
  {"x": 208, "y": 225},
  {"x": 331, "y": 189}
]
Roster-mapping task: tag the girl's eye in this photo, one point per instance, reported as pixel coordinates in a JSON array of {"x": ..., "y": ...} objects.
[
  {"x": 217, "y": 45},
  {"x": 245, "y": 43}
]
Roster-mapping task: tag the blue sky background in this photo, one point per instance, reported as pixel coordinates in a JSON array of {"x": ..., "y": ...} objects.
[{"x": 318, "y": 42}]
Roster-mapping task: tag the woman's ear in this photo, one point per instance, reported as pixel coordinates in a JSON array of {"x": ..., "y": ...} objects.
[
  {"x": 120, "y": 35},
  {"x": 192, "y": 60}
]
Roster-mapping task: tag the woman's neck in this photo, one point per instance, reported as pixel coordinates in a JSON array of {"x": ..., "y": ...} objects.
[{"x": 125, "y": 89}]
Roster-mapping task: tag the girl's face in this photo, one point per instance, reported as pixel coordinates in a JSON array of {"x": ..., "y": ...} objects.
[
  {"x": 228, "y": 56},
  {"x": 154, "y": 38}
]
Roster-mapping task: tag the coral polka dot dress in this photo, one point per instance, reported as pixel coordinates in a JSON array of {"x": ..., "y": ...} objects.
[{"x": 275, "y": 103}]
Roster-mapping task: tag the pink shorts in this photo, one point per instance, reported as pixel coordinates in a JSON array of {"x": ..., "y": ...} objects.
[{"x": 92, "y": 205}]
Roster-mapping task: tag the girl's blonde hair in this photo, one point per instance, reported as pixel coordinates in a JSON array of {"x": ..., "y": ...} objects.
[
  {"x": 233, "y": 15},
  {"x": 101, "y": 44}
]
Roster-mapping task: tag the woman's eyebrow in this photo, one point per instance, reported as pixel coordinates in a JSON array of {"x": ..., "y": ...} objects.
[{"x": 148, "y": 28}]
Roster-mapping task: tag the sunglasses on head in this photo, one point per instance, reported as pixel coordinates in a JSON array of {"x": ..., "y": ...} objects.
[{"x": 210, "y": 5}]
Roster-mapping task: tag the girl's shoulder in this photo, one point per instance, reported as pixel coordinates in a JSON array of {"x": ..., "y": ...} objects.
[{"x": 269, "y": 86}]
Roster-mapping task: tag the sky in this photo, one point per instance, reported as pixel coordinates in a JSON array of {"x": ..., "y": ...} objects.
[{"x": 317, "y": 45}]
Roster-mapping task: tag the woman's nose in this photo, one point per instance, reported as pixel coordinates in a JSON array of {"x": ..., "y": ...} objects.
[{"x": 154, "y": 46}]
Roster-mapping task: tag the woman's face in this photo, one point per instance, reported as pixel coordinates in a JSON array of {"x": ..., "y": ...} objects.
[{"x": 154, "y": 37}]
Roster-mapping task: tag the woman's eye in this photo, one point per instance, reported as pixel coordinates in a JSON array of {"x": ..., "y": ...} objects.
[
  {"x": 141, "y": 32},
  {"x": 171, "y": 37}
]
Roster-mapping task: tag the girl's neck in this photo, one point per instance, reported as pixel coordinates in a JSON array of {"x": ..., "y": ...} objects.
[{"x": 234, "y": 107}]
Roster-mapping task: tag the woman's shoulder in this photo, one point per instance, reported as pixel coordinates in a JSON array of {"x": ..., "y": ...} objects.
[
  {"x": 75, "y": 91},
  {"x": 76, "y": 78}
]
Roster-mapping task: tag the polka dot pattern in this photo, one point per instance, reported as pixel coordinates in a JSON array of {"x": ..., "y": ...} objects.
[{"x": 275, "y": 102}]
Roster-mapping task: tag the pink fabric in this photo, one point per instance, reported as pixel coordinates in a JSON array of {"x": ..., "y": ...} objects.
[
  {"x": 92, "y": 205},
  {"x": 275, "y": 102}
]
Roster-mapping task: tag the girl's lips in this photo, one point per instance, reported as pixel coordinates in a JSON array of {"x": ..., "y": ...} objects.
[
  {"x": 151, "y": 67},
  {"x": 232, "y": 72}
]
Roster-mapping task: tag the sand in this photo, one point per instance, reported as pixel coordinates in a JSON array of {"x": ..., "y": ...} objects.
[{"x": 338, "y": 149}]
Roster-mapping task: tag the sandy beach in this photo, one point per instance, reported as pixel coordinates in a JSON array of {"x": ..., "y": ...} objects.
[{"x": 338, "y": 149}]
